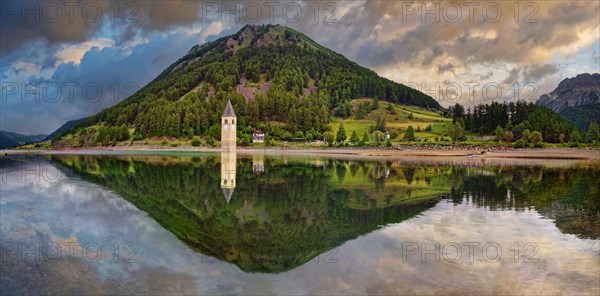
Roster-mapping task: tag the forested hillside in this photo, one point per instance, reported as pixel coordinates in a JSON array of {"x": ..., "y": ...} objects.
[
  {"x": 510, "y": 121},
  {"x": 278, "y": 80},
  {"x": 582, "y": 116}
]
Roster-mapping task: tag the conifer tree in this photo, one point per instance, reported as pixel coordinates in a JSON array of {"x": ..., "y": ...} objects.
[
  {"x": 341, "y": 134},
  {"x": 354, "y": 138}
]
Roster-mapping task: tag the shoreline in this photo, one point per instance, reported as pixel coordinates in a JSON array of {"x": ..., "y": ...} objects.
[{"x": 437, "y": 152}]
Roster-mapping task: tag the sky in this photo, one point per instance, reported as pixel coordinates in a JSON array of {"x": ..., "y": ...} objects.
[{"x": 61, "y": 61}]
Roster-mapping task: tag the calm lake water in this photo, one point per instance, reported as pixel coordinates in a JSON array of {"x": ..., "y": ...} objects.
[{"x": 292, "y": 224}]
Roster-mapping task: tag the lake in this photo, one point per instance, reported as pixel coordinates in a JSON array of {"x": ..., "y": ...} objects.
[{"x": 255, "y": 223}]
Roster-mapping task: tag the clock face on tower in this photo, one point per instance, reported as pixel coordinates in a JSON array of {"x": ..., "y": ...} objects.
[{"x": 226, "y": 126}]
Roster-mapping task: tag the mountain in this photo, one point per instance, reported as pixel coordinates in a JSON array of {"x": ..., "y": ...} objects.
[
  {"x": 10, "y": 140},
  {"x": 278, "y": 80},
  {"x": 65, "y": 128},
  {"x": 577, "y": 99}
]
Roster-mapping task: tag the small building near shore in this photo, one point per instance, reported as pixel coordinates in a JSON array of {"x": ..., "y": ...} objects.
[{"x": 258, "y": 136}]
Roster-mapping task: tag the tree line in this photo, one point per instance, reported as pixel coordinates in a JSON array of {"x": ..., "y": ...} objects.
[{"x": 509, "y": 121}]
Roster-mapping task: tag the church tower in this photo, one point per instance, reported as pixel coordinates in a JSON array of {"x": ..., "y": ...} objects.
[{"x": 228, "y": 128}]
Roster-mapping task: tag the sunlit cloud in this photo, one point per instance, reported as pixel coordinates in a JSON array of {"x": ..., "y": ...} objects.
[{"x": 74, "y": 52}]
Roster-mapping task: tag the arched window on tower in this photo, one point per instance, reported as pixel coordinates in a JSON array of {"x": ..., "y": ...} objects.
[{"x": 225, "y": 121}]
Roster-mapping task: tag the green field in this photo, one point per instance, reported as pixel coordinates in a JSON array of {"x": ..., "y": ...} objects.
[{"x": 398, "y": 122}]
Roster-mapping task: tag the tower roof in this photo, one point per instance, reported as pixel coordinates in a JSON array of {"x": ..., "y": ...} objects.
[{"x": 228, "y": 110}]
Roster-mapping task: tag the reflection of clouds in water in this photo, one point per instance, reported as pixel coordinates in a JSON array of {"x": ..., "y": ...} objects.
[
  {"x": 566, "y": 263},
  {"x": 84, "y": 212},
  {"x": 80, "y": 212},
  {"x": 373, "y": 264}
]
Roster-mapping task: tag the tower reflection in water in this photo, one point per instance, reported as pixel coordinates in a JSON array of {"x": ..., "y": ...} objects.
[{"x": 228, "y": 169}]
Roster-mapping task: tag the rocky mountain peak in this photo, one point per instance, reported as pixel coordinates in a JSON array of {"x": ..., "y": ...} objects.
[{"x": 583, "y": 89}]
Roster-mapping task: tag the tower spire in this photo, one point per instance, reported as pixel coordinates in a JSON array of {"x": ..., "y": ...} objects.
[
  {"x": 228, "y": 110},
  {"x": 228, "y": 128}
]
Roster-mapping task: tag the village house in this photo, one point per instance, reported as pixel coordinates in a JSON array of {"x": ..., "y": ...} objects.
[{"x": 258, "y": 136}]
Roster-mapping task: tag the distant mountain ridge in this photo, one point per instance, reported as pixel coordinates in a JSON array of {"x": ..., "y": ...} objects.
[
  {"x": 577, "y": 99},
  {"x": 584, "y": 89},
  {"x": 10, "y": 139}
]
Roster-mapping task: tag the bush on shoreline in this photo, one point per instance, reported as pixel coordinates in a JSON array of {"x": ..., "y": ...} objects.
[{"x": 521, "y": 143}]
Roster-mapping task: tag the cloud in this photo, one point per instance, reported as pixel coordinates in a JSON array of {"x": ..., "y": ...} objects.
[
  {"x": 513, "y": 76},
  {"x": 449, "y": 67},
  {"x": 74, "y": 52},
  {"x": 536, "y": 71},
  {"x": 486, "y": 76}
]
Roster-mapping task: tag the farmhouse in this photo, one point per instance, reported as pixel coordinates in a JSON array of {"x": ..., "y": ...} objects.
[{"x": 258, "y": 136}]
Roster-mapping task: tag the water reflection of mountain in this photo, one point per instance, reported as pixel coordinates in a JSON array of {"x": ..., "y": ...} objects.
[
  {"x": 284, "y": 212},
  {"x": 571, "y": 197},
  {"x": 273, "y": 221}
]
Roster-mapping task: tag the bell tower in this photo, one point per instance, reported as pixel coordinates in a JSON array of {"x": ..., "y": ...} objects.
[{"x": 228, "y": 128}]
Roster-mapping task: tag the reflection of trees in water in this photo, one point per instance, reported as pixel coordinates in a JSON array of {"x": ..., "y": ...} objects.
[
  {"x": 274, "y": 222},
  {"x": 569, "y": 196},
  {"x": 353, "y": 168},
  {"x": 340, "y": 171},
  {"x": 409, "y": 173},
  {"x": 484, "y": 191}
]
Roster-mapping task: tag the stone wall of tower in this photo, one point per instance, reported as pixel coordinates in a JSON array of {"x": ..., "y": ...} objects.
[{"x": 228, "y": 133}]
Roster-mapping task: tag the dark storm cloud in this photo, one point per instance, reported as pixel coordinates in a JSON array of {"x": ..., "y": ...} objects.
[
  {"x": 160, "y": 15},
  {"x": 55, "y": 22},
  {"x": 24, "y": 21}
]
